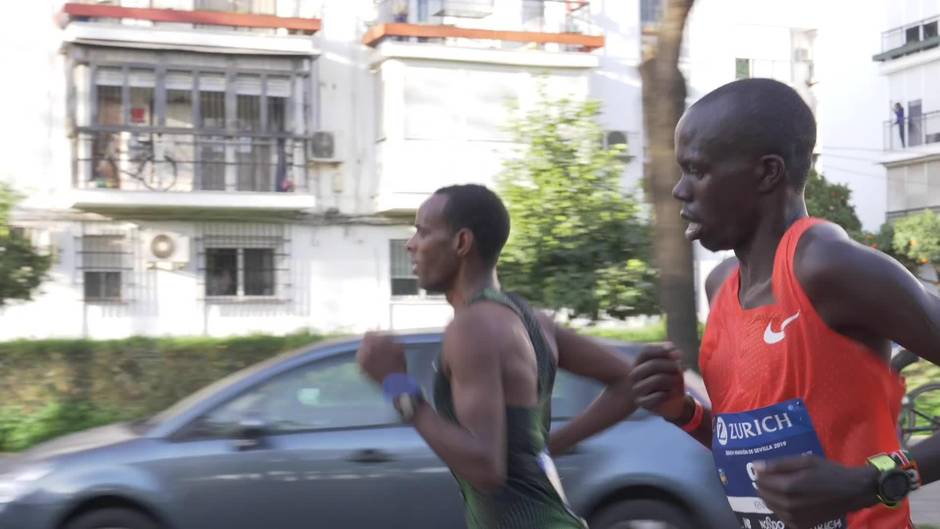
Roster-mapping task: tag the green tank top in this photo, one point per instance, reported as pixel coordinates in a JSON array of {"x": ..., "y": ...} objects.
[{"x": 529, "y": 499}]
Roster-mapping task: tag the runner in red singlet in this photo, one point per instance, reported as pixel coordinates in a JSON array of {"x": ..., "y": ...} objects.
[{"x": 795, "y": 352}]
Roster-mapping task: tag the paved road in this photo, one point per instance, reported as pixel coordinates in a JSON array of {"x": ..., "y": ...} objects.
[{"x": 925, "y": 504}]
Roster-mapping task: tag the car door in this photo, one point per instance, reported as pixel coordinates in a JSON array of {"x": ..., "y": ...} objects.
[
  {"x": 432, "y": 498},
  {"x": 353, "y": 463},
  {"x": 327, "y": 451}
]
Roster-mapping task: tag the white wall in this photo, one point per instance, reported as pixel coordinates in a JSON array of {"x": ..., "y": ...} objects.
[
  {"x": 339, "y": 282},
  {"x": 902, "y": 12},
  {"x": 852, "y": 105},
  {"x": 34, "y": 151}
]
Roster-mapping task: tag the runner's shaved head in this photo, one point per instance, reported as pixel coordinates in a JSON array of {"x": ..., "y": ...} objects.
[{"x": 757, "y": 117}]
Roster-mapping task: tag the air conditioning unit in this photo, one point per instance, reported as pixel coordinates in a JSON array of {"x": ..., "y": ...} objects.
[
  {"x": 165, "y": 247},
  {"x": 322, "y": 147},
  {"x": 614, "y": 138}
]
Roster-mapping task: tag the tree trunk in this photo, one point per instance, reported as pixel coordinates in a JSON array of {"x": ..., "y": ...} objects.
[{"x": 664, "y": 95}]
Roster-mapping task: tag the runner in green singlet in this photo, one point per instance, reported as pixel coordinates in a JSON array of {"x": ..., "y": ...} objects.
[{"x": 495, "y": 373}]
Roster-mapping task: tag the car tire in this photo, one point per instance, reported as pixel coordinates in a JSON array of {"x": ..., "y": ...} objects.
[
  {"x": 114, "y": 518},
  {"x": 642, "y": 514}
]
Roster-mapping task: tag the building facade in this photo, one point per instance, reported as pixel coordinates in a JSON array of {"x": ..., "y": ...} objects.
[
  {"x": 909, "y": 60},
  {"x": 233, "y": 166}
]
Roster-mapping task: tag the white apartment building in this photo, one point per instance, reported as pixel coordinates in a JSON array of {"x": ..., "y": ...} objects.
[
  {"x": 910, "y": 61},
  {"x": 233, "y": 166}
]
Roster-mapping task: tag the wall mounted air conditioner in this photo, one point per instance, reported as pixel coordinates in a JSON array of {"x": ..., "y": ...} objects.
[
  {"x": 614, "y": 138},
  {"x": 323, "y": 147},
  {"x": 165, "y": 247}
]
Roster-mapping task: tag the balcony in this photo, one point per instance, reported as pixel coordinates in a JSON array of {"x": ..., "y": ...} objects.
[
  {"x": 117, "y": 170},
  {"x": 549, "y": 25},
  {"x": 909, "y": 39},
  {"x": 914, "y": 131},
  {"x": 240, "y": 24}
]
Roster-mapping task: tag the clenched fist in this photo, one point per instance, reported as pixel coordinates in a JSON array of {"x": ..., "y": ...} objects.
[{"x": 379, "y": 355}]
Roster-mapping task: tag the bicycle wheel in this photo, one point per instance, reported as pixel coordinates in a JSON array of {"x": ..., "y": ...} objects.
[
  {"x": 921, "y": 415},
  {"x": 165, "y": 177},
  {"x": 147, "y": 173}
]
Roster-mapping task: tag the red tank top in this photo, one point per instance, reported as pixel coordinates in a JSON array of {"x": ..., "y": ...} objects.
[{"x": 753, "y": 358}]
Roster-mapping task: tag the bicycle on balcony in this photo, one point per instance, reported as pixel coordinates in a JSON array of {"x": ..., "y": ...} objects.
[
  {"x": 145, "y": 161},
  {"x": 920, "y": 407}
]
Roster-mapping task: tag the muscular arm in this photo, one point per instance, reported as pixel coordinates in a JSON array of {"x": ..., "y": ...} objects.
[
  {"x": 475, "y": 449},
  {"x": 585, "y": 357},
  {"x": 866, "y": 295}
]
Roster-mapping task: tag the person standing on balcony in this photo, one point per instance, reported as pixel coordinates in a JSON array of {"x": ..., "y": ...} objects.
[
  {"x": 796, "y": 348},
  {"x": 899, "y": 119},
  {"x": 494, "y": 378}
]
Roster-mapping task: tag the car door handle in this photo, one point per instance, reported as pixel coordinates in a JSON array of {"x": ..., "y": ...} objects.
[{"x": 370, "y": 455}]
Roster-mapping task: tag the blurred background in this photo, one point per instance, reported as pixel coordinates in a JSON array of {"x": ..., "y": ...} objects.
[{"x": 190, "y": 186}]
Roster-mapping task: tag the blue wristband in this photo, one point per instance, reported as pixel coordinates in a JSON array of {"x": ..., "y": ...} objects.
[{"x": 397, "y": 384}]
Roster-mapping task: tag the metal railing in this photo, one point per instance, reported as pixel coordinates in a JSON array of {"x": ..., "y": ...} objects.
[
  {"x": 912, "y": 131},
  {"x": 256, "y": 16},
  {"x": 542, "y": 16},
  {"x": 901, "y": 213},
  {"x": 180, "y": 161},
  {"x": 910, "y": 37},
  {"x": 252, "y": 7}
]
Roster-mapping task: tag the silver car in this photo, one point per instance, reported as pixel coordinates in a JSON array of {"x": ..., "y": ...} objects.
[{"x": 303, "y": 441}]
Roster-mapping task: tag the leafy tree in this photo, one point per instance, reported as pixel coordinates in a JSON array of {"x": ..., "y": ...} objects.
[
  {"x": 578, "y": 242},
  {"x": 832, "y": 202},
  {"x": 22, "y": 268},
  {"x": 912, "y": 241},
  {"x": 917, "y": 239}
]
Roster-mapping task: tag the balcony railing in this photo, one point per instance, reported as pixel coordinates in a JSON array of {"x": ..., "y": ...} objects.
[
  {"x": 908, "y": 39},
  {"x": 260, "y": 15},
  {"x": 183, "y": 161},
  {"x": 912, "y": 131},
  {"x": 562, "y": 25},
  {"x": 901, "y": 213}
]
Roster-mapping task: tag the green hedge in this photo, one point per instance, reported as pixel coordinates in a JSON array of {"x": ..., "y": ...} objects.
[{"x": 53, "y": 387}]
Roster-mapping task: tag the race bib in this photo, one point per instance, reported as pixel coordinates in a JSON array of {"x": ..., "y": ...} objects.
[{"x": 740, "y": 439}]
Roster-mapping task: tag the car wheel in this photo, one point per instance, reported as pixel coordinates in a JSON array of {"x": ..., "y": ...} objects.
[
  {"x": 112, "y": 519},
  {"x": 642, "y": 514}
]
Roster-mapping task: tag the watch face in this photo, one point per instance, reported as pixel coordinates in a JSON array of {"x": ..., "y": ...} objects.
[{"x": 895, "y": 486}]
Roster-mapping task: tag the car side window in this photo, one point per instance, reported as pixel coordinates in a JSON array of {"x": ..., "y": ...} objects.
[
  {"x": 326, "y": 394},
  {"x": 571, "y": 394}
]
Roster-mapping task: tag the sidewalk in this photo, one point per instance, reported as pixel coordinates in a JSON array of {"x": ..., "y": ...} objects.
[{"x": 925, "y": 505}]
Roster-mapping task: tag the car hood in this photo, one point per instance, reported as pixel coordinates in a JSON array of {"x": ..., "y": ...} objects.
[{"x": 77, "y": 442}]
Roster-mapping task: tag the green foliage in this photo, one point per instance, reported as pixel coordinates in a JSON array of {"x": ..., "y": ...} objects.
[
  {"x": 832, "y": 202},
  {"x": 917, "y": 243},
  {"x": 54, "y": 387},
  {"x": 578, "y": 241},
  {"x": 20, "y": 429},
  {"x": 22, "y": 269},
  {"x": 917, "y": 238},
  {"x": 651, "y": 333}
]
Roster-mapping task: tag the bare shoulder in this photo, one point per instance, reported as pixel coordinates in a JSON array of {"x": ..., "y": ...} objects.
[
  {"x": 840, "y": 275},
  {"x": 826, "y": 251},
  {"x": 718, "y": 276},
  {"x": 481, "y": 330}
]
